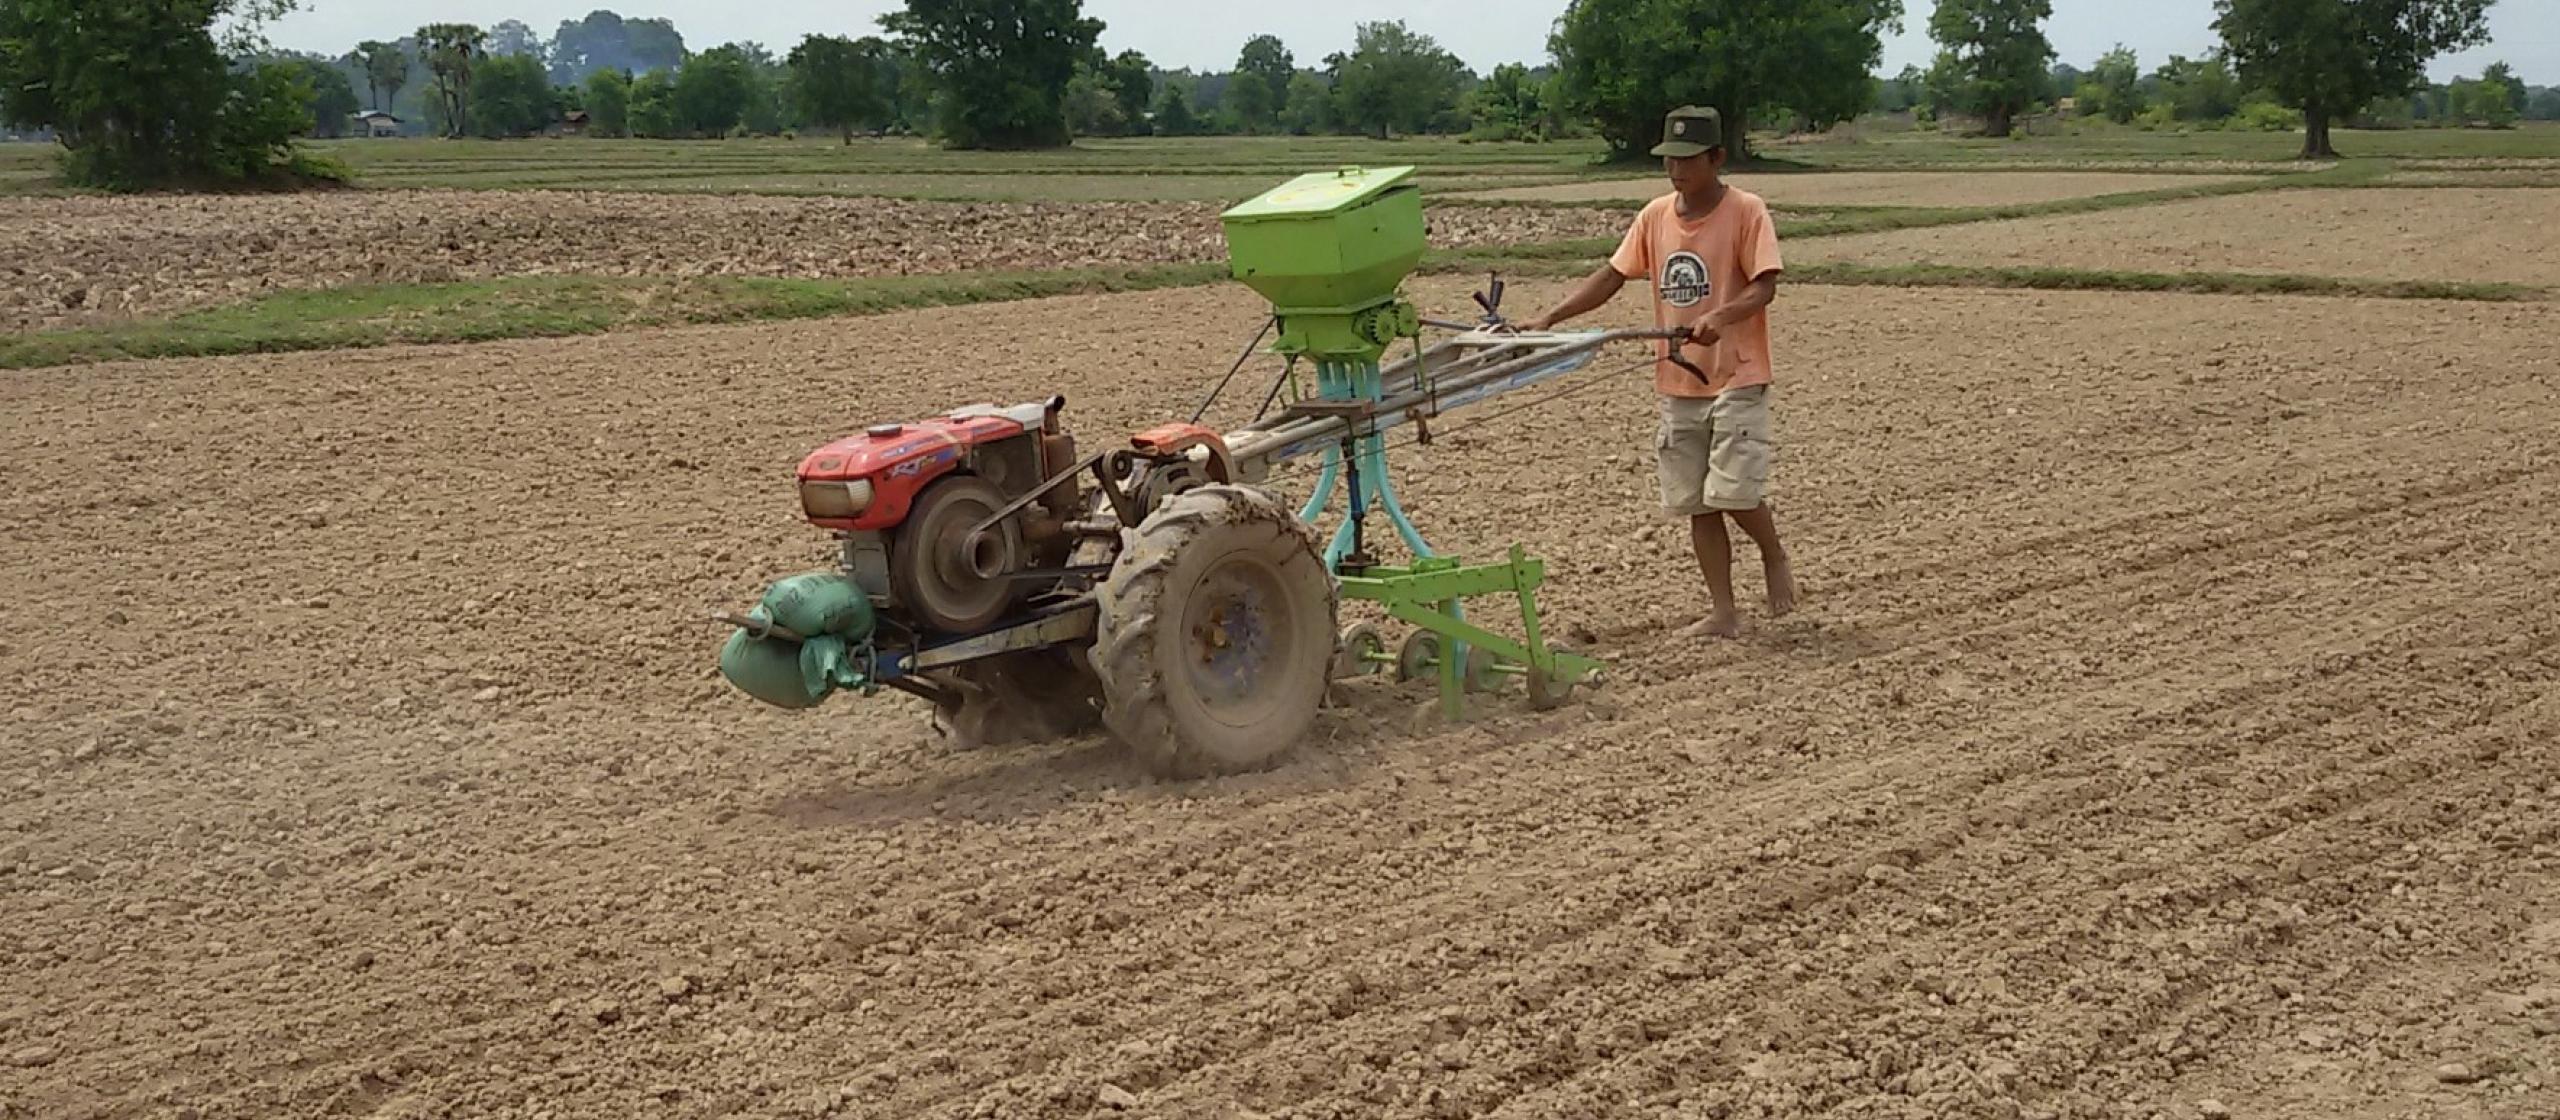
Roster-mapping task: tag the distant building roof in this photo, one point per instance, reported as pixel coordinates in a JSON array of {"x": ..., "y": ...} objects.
[
  {"x": 377, "y": 115},
  {"x": 575, "y": 116}
]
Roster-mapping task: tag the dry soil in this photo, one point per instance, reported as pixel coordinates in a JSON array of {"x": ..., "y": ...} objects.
[
  {"x": 2171, "y": 720},
  {"x": 2374, "y": 233},
  {"x": 71, "y": 260},
  {"x": 1883, "y": 188}
]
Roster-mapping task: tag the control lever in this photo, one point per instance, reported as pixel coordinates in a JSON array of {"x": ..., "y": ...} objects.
[
  {"x": 1491, "y": 301},
  {"x": 1675, "y": 336}
]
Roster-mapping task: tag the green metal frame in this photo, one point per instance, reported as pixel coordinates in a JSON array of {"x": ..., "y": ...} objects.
[
  {"x": 1330, "y": 252},
  {"x": 1427, "y": 595}
]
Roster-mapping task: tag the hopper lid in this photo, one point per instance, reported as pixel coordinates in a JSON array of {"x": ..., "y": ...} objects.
[{"x": 1321, "y": 192}]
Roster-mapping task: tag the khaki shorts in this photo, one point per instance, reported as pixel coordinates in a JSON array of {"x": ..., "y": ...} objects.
[{"x": 1714, "y": 454}]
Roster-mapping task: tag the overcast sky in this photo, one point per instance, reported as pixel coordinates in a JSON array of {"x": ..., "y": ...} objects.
[{"x": 1205, "y": 34}]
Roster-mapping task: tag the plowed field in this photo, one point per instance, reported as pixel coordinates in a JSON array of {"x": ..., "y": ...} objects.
[
  {"x": 69, "y": 260},
  {"x": 2172, "y": 728},
  {"x": 2382, "y": 234}
]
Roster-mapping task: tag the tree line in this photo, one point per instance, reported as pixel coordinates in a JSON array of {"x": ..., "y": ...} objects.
[
  {"x": 2208, "y": 92},
  {"x": 926, "y": 76},
  {"x": 141, "y": 91}
]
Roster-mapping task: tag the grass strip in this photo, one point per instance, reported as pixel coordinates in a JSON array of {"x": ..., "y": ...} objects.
[{"x": 547, "y": 306}]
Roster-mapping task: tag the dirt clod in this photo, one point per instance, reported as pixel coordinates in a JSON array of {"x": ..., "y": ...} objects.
[{"x": 1113, "y": 1096}]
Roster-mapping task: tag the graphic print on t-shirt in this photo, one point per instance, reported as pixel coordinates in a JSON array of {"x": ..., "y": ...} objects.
[{"x": 1684, "y": 279}]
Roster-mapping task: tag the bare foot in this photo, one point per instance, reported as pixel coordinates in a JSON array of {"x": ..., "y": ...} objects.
[
  {"x": 1782, "y": 586},
  {"x": 1721, "y": 624}
]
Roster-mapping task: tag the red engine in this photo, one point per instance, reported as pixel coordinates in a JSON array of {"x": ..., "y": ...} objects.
[{"x": 908, "y": 499}]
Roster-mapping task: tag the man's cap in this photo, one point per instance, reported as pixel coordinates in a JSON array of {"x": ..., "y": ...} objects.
[{"x": 1689, "y": 131}]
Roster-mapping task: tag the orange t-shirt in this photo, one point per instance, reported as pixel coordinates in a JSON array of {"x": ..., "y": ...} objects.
[{"x": 1696, "y": 264}]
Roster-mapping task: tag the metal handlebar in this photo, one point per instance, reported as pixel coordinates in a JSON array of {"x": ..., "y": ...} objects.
[{"x": 1674, "y": 335}]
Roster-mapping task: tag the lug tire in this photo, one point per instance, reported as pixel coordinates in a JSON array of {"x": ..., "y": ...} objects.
[{"x": 1215, "y": 635}]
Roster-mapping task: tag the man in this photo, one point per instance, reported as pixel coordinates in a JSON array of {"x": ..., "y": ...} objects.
[{"x": 1712, "y": 256}]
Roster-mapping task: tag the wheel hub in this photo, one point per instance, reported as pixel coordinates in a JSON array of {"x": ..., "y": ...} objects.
[{"x": 1234, "y": 652}]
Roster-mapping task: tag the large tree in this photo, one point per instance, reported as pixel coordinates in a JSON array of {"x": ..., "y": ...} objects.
[
  {"x": 1173, "y": 114},
  {"x": 998, "y": 68},
  {"x": 711, "y": 91},
  {"x": 840, "y": 83},
  {"x": 509, "y": 37},
  {"x": 653, "y": 105},
  {"x": 2113, "y": 88},
  {"x": 139, "y": 92},
  {"x": 511, "y": 96},
  {"x": 1261, "y": 85},
  {"x": 1131, "y": 79},
  {"x": 1509, "y": 105},
  {"x": 1625, "y": 63},
  {"x": 2332, "y": 57},
  {"x": 451, "y": 51},
  {"x": 1394, "y": 79},
  {"x": 2486, "y": 101},
  {"x": 1996, "y": 53},
  {"x": 608, "y": 103},
  {"x": 332, "y": 98},
  {"x": 2501, "y": 74},
  {"x": 606, "y": 41},
  {"x": 386, "y": 69},
  {"x": 2198, "y": 89},
  {"x": 770, "y": 106},
  {"x": 1310, "y": 105},
  {"x": 1091, "y": 108}
]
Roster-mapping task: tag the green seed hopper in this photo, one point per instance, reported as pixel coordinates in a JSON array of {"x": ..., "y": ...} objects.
[{"x": 1329, "y": 250}]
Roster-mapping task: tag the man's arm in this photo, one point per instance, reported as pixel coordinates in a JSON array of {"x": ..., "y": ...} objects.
[
  {"x": 1755, "y": 295},
  {"x": 1595, "y": 289}
]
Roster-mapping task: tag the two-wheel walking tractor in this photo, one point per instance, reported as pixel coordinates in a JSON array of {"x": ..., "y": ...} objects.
[{"x": 1160, "y": 588}]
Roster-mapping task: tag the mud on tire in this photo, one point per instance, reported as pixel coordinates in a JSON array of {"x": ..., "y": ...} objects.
[{"x": 1215, "y": 636}]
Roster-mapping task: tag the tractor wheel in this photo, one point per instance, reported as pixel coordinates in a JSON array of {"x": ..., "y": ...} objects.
[
  {"x": 947, "y": 579},
  {"x": 1215, "y": 636}
]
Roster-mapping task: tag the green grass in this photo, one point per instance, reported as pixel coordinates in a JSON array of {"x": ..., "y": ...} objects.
[
  {"x": 497, "y": 164},
  {"x": 1149, "y": 168},
  {"x": 1868, "y": 147},
  {"x": 545, "y": 306}
]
